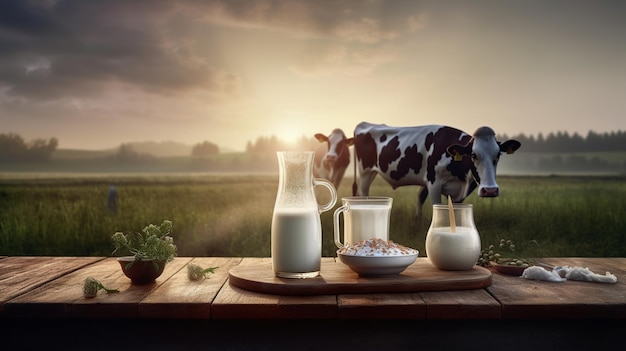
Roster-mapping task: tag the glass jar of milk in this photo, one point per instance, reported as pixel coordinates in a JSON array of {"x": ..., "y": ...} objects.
[{"x": 453, "y": 245}]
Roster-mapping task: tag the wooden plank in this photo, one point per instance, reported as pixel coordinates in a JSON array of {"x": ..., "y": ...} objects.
[
  {"x": 522, "y": 298},
  {"x": 19, "y": 275},
  {"x": 462, "y": 304},
  {"x": 124, "y": 304},
  {"x": 53, "y": 299},
  {"x": 337, "y": 278},
  {"x": 600, "y": 265},
  {"x": 63, "y": 297},
  {"x": 51, "y": 287},
  {"x": 381, "y": 306},
  {"x": 235, "y": 303},
  {"x": 181, "y": 298}
]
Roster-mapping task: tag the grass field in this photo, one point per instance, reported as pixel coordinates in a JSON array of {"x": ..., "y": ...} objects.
[{"x": 230, "y": 215}]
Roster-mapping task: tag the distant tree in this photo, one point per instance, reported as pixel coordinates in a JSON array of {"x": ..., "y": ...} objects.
[
  {"x": 205, "y": 149},
  {"x": 41, "y": 149},
  {"x": 263, "y": 144},
  {"x": 13, "y": 148},
  {"x": 126, "y": 153},
  {"x": 616, "y": 141},
  {"x": 270, "y": 144},
  {"x": 307, "y": 143},
  {"x": 576, "y": 143},
  {"x": 541, "y": 142}
]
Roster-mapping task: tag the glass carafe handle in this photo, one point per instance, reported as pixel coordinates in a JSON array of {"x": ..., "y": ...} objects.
[{"x": 333, "y": 194}]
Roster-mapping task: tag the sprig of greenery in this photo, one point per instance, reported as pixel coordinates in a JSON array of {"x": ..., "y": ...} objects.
[
  {"x": 155, "y": 243},
  {"x": 195, "y": 272},
  {"x": 91, "y": 287},
  {"x": 506, "y": 254}
]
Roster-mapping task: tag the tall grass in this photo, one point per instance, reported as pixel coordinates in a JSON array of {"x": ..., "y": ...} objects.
[{"x": 230, "y": 215}]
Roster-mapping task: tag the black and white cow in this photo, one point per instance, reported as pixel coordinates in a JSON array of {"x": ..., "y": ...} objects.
[
  {"x": 441, "y": 159},
  {"x": 332, "y": 157}
]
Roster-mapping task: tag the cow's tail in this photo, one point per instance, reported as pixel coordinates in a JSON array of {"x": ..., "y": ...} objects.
[{"x": 354, "y": 186}]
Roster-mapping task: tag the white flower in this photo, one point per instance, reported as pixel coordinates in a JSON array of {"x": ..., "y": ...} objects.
[
  {"x": 195, "y": 272},
  {"x": 92, "y": 286}
]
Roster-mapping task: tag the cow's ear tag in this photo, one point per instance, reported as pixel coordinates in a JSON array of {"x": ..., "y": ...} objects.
[{"x": 457, "y": 156}]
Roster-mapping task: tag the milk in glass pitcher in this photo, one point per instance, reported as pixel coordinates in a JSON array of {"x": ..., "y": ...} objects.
[{"x": 296, "y": 225}]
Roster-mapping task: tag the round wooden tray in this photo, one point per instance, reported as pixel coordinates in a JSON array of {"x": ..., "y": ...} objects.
[{"x": 337, "y": 278}]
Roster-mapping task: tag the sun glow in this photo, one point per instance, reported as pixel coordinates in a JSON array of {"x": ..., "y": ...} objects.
[
  {"x": 293, "y": 129},
  {"x": 289, "y": 137}
]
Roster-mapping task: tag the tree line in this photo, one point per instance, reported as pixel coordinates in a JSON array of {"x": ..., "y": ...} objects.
[
  {"x": 127, "y": 153},
  {"x": 559, "y": 142},
  {"x": 14, "y": 148},
  {"x": 265, "y": 144},
  {"x": 563, "y": 142}
]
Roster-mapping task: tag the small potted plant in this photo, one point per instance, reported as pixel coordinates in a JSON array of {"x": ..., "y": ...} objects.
[{"x": 150, "y": 251}]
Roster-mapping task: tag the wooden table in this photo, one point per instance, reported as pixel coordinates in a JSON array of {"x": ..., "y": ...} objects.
[{"x": 47, "y": 292}]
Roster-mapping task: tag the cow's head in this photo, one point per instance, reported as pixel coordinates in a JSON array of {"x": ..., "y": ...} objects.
[
  {"x": 484, "y": 151},
  {"x": 337, "y": 145}
]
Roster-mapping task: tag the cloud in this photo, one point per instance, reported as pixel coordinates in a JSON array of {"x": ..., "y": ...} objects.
[
  {"x": 340, "y": 37},
  {"x": 415, "y": 23},
  {"x": 331, "y": 60},
  {"x": 352, "y": 20},
  {"x": 72, "y": 48}
]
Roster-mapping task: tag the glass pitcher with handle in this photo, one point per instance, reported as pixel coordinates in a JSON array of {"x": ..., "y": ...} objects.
[{"x": 296, "y": 225}]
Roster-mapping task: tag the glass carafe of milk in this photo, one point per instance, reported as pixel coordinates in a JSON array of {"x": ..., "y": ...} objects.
[
  {"x": 296, "y": 225},
  {"x": 453, "y": 247}
]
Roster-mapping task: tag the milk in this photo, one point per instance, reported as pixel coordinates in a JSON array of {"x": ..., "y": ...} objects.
[
  {"x": 296, "y": 242},
  {"x": 363, "y": 222},
  {"x": 453, "y": 251}
]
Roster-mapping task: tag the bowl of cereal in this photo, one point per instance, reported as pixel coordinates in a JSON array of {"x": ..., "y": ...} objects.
[{"x": 377, "y": 257}]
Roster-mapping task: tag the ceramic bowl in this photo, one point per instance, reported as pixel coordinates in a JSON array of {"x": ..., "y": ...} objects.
[
  {"x": 372, "y": 266},
  {"x": 141, "y": 272},
  {"x": 508, "y": 269}
]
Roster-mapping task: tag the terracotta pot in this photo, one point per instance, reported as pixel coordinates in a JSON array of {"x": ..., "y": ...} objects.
[{"x": 141, "y": 272}]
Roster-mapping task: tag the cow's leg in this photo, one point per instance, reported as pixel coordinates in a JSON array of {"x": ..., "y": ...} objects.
[
  {"x": 338, "y": 176},
  {"x": 367, "y": 177},
  {"x": 421, "y": 199}
]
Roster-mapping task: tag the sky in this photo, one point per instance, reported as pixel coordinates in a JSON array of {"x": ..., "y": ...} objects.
[{"x": 95, "y": 74}]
